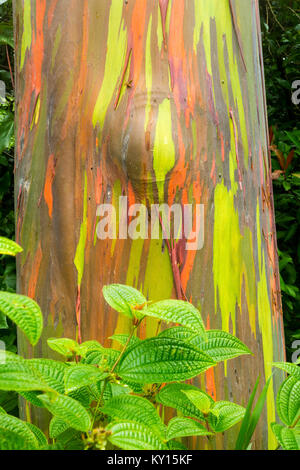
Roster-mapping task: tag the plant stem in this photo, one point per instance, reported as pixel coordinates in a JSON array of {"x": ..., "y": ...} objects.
[{"x": 113, "y": 368}]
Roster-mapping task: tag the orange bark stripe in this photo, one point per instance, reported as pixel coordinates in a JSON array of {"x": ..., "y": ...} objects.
[
  {"x": 35, "y": 272},
  {"x": 50, "y": 173}
]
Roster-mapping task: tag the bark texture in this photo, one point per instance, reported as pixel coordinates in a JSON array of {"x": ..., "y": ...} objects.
[{"x": 159, "y": 101}]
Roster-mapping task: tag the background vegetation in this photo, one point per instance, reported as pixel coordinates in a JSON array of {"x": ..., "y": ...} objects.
[{"x": 281, "y": 33}]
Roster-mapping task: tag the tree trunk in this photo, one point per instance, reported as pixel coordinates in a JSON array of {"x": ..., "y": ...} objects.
[{"x": 156, "y": 101}]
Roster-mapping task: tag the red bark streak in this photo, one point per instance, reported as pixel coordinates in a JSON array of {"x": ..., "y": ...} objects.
[
  {"x": 35, "y": 272},
  {"x": 50, "y": 173}
]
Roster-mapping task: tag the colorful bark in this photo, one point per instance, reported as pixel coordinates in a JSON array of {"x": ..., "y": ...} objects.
[{"x": 159, "y": 101}]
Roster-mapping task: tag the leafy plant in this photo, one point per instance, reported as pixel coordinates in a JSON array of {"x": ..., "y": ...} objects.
[
  {"x": 103, "y": 397},
  {"x": 288, "y": 408}
]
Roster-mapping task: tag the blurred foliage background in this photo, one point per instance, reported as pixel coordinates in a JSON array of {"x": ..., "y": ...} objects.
[{"x": 280, "y": 24}]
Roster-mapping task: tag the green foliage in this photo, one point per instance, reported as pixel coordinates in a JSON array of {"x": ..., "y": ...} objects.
[
  {"x": 280, "y": 35},
  {"x": 133, "y": 436},
  {"x": 219, "y": 345},
  {"x": 177, "y": 311},
  {"x": 24, "y": 312},
  {"x": 288, "y": 408},
  {"x": 251, "y": 417},
  {"x": 157, "y": 360},
  {"x": 100, "y": 396},
  {"x": 184, "y": 427},
  {"x": 124, "y": 299}
]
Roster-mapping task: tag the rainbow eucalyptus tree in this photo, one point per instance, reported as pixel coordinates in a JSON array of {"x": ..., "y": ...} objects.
[{"x": 148, "y": 102}]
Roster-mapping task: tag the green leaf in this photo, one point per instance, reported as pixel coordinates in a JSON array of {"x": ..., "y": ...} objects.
[
  {"x": 157, "y": 360},
  {"x": 288, "y": 400},
  {"x": 122, "y": 339},
  {"x": 173, "y": 396},
  {"x": 25, "y": 312},
  {"x": 8, "y": 247},
  {"x": 228, "y": 414},
  {"x": 56, "y": 427},
  {"x": 67, "y": 409},
  {"x": 243, "y": 438},
  {"x": 6, "y": 130},
  {"x": 6, "y": 33},
  {"x": 52, "y": 372},
  {"x": 124, "y": 299},
  {"x": 219, "y": 345},
  {"x": 14, "y": 425},
  {"x": 20, "y": 376},
  {"x": 3, "y": 322},
  {"x": 175, "y": 445},
  {"x": 39, "y": 435},
  {"x": 134, "y": 436},
  {"x": 183, "y": 427},
  {"x": 137, "y": 409},
  {"x": 257, "y": 411},
  {"x": 177, "y": 311},
  {"x": 200, "y": 399},
  {"x": 80, "y": 375},
  {"x": 11, "y": 441},
  {"x": 104, "y": 358},
  {"x": 83, "y": 395},
  {"x": 32, "y": 397},
  {"x": 290, "y": 368},
  {"x": 64, "y": 346},
  {"x": 90, "y": 346},
  {"x": 288, "y": 438}
]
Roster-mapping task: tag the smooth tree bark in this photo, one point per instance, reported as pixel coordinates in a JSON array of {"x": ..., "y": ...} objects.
[{"x": 159, "y": 101}]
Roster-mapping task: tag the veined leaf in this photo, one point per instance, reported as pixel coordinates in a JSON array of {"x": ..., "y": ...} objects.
[
  {"x": 137, "y": 409},
  {"x": 178, "y": 332},
  {"x": 78, "y": 376},
  {"x": 177, "y": 311},
  {"x": 2, "y": 410},
  {"x": 200, "y": 399},
  {"x": 103, "y": 358},
  {"x": 11, "y": 441},
  {"x": 56, "y": 427},
  {"x": 134, "y": 436},
  {"x": 124, "y": 299},
  {"x": 65, "y": 346},
  {"x": 9, "y": 247},
  {"x": 289, "y": 367},
  {"x": 25, "y": 312},
  {"x": 228, "y": 414},
  {"x": 175, "y": 445},
  {"x": 18, "y": 427},
  {"x": 288, "y": 400},
  {"x": 83, "y": 395},
  {"x": 288, "y": 438},
  {"x": 88, "y": 346},
  {"x": 67, "y": 409},
  {"x": 157, "y": 360},
  {"x": 3, "y": 322},
  {"x": 19, "y": 376},
  {"x": 52, "y": 372},
  {"x": 183, "y": 427},
  {"x": 122, "y": 339},
  {"x": 32, "y": 397},
  {"x": 173, "y": 395},
  {"x": 219, "y": 345},
  {"x": 39, "y": 435}
]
